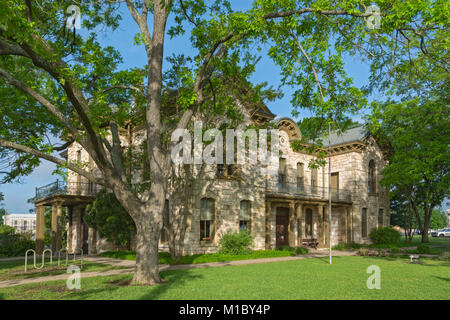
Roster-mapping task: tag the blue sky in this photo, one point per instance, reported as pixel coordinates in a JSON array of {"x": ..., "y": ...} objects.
[{"x": 16, "y": 195}]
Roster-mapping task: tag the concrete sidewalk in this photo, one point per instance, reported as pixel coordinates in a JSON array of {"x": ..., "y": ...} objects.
[{"x": 164, "y": 267}]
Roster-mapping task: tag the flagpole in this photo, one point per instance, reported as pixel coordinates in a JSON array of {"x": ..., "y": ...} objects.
[{"x": 329, "y": 188}]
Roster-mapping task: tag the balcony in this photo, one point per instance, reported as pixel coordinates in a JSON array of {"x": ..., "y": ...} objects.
[
  {"x": 67, "y": 189},
  {"x": 274, "y": 187}
]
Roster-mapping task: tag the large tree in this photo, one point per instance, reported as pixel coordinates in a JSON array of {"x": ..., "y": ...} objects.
[
  {"x": 419, "y": 154},
  {"x": 56, "y": 82}
]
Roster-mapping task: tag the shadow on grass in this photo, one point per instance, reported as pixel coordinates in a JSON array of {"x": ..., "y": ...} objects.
[
  {"x": 90, "y": 294},
  {"x": 174, "y": 279},
  {"x": 440, "y": 278}
]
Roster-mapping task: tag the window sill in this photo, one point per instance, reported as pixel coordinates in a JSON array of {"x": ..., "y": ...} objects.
[{"x": 206, "y": 242}]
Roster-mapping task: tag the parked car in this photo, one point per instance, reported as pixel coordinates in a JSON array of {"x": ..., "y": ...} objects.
[{"x": 441, "y": 233}]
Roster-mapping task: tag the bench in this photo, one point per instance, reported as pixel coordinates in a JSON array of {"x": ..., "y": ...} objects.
[{"x": 311, "y": 243}]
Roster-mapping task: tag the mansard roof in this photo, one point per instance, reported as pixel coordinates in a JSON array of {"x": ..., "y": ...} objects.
[{"x": 351, "y": 135}]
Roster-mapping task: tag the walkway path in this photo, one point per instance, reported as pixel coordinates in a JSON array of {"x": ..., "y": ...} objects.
[{"x": 129, "y": 263}]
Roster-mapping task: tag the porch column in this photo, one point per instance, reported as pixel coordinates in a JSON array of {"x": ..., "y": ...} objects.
[
  {"x": 69, "y": 229},
  {"x": 40, "y": 229},
  {"x": 92, "y": 240},
  {"x": 349, "y": 224},
  {"x": 321, "y": 225},
  {"x": 76, "y": 230},
  {"x": 299, "y": 225},
  {"x": 327, "y": 227},
  {"x": 56, "y": 226},
  {"x": 268, "y": 213},
  {"x": 291, "y": 224}
]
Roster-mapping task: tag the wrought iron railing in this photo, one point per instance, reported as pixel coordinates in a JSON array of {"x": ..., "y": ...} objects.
[
  {"x": 308, "y": 191},
  {"x": 60, "y": 187}
]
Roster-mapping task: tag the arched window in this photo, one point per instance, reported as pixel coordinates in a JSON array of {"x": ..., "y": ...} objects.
[
  {"x": 244, "y": 215},
  {"x": 300, "y": 173},
  {"x": 364, "y": 222},
  {"x": 380, "y": 217},
  {"x": 372, "y": 179},
  {"x": 308, "y": 222},
  {"x": 206, "y": 219}
]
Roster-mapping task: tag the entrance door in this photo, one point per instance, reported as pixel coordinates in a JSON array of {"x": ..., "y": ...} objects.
[{"x": 282, "y": 222}]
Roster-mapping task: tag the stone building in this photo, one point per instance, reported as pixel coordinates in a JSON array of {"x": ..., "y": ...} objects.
[{"x": 283, "y": 209}]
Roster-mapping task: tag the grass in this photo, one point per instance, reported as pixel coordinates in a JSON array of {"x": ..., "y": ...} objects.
[
  {"x": 300, "y": 279},
  {"x": 164, "y": 257},
  {"x": 15, "y": 269}
]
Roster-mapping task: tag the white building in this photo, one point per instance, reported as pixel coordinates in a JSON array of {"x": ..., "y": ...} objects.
[{"x": 21, "y": 222}]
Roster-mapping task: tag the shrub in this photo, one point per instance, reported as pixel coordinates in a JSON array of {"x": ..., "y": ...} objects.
[
  {"x": 347, "y": 246},
  {"x": 4, "y": 229},
  {"x": 363, "y": 252},
  {"x": 285, "y": 248},
  {"x": 13, "y": 245},
  {"x": 423, "y": 248},
  {"x": 112, "y": 221},
  {"x": 235, "y": 242},
  {"x": 301, "y": 250},
  {"x": 340, "y": 246},
  {"x": 395, "y": 250},
  {"x": 385, "y": 235}
]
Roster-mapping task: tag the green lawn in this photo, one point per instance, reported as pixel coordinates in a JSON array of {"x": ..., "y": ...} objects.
[
  {"x": 164, "y": 257},
  {"x": 15, "y": 269},
  {"x": 300, "y": 279}
]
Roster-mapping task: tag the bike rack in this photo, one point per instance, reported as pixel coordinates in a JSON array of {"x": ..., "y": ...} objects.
[
  {"x": 51, "y": 258},
  {"x": 34, "y": 258},
  {"x": 26, "y": 258},
  {"x": 67, "y": 257}
]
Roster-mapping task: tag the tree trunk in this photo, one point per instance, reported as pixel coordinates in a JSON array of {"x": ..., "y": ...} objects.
[
  {"x": 147, "y": 240},
  {"x": 426, "y": 223}
]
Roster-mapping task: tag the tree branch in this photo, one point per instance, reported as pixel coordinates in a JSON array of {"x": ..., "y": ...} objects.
[
  {"x": 47, "y": 104},
  {"x": 48, "y": 157},
  {"x": 319, "y": 85}
]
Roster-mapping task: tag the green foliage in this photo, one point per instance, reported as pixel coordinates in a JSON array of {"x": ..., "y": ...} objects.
[
  {"x": 438, "y": 219},
  {"x": 377, "y": 252},
  {"x": 7, "y": 230},
  {"x": 113, "y": 223},
  {"x": 12, "y": 244},
  {"x": 347, "y": 246},
  {"x": 423, "y": 248},
  {"x": 233, "y": 242},
  {"x": 385, "y": 235},
  {"x": 285, "y": 248},
  {"x": 301, "y": 250}
]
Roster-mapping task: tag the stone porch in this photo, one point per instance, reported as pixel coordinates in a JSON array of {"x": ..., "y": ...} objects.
[
  {"x": 287, "y": 221},
  {"x": 74, "y": 197}
]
